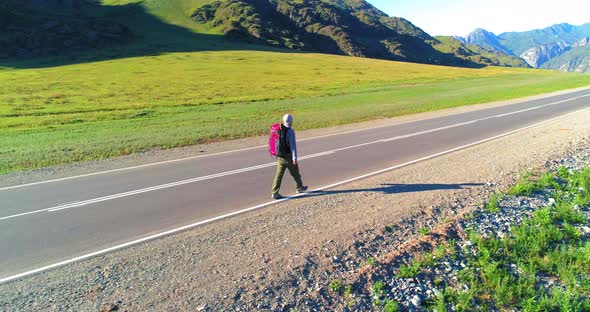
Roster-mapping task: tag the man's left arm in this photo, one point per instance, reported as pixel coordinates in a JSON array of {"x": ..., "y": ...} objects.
[{"x": 293, "y": 145}]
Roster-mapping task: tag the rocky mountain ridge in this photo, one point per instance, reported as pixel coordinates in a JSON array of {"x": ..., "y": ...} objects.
[
  {"x": 539, "y": 55},
  {"x": 584, "y": 42},
  {"x": 541, "y": 48},
  {"x": 577, "y": 59}
]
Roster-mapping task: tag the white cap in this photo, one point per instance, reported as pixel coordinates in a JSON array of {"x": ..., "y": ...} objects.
[{"x": 287, "y": 119}]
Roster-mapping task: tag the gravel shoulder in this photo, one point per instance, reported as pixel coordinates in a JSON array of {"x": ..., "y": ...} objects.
[{"x": 285, "y": 256}]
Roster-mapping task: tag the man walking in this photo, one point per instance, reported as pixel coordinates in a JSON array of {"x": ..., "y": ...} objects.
[{"x": 287, "y": 158}]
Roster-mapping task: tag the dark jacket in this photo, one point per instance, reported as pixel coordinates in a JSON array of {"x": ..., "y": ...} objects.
[{"x": 287, "y": 143}]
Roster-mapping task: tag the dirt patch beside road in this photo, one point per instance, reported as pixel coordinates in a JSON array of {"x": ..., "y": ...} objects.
[{"x": 285, "y": 256}]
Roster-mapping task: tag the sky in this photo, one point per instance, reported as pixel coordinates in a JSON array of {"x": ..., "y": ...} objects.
[{"x": 460, "y": 17}]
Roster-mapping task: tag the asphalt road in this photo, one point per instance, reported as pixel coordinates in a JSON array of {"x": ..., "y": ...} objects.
[{"x": 47, "y": 223}]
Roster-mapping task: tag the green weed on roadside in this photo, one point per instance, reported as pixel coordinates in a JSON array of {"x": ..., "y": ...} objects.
[
  {"x": 336, "y": 286},
  {"x": 505, "y": 271},
  {"x": 493, "y": 205}
]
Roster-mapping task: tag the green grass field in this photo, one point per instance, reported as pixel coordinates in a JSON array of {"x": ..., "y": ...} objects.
[
  {"x": 179, "y": 83},
  {"x": 97, "y": 110}
]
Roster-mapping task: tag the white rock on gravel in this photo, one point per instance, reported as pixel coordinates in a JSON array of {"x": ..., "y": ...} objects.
[{"x": 416, "y": 301}]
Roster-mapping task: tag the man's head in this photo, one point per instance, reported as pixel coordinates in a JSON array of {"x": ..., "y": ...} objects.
[{"x": 288, "y": 120}]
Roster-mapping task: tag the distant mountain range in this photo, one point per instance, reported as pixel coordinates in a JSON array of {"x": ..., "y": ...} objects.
[{"x": 563, "y": 47}]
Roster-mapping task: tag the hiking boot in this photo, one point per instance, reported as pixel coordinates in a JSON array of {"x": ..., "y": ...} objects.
[
  {"x": 276, "y": 196},
  {"x": 303, "y": 189}
]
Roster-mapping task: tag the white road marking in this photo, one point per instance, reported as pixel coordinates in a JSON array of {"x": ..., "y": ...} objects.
[
  {"x": 23, "y": 214},
  {"x": 220, "y": 153},
  {"x": 189, "y": 226},
  {"x": 405, "y": 136},
  {"x": 242, "y": 170}
]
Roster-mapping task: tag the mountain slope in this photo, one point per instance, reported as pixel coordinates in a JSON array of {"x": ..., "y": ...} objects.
[
  {"x": 486, "y": 45},
  {"x": 147, "y": 27},
  {"x": 536, "y": 56},
  {"x": 499, "y": 58},
  {"x": 477, "y": 54},
  {"x": 33, "y": 28},
  {"x": 577, "y": 59},
  {"x": 350, "y": 27},
  {"x": 89, "y": 30}
]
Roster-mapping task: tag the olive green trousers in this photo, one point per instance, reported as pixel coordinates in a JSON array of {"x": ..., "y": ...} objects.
[{"x": 282, "y": 165}]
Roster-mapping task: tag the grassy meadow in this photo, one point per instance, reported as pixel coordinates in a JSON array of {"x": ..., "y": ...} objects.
[{"x": 95, "y": 110}]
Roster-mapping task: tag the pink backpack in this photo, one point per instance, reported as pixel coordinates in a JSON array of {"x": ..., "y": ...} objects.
[{"x": 273, "y": 140}]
